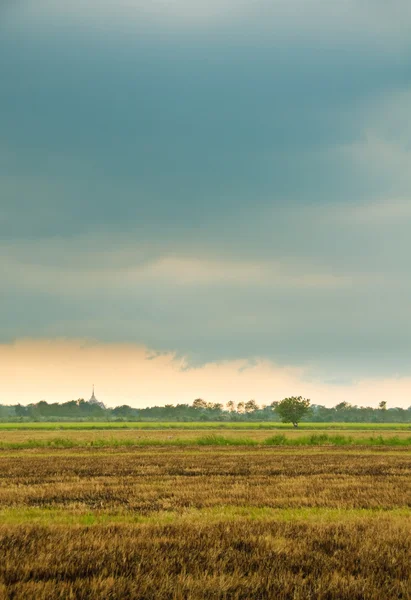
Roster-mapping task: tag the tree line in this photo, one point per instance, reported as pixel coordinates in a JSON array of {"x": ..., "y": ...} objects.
[{"x": 201, "y": 410}]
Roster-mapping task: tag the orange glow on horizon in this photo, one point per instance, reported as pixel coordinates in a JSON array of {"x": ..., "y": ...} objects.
[{"x": 61, "y": 370}]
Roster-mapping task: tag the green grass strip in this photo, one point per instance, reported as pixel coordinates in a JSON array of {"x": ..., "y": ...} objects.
[
  {"x": 213, "y": 440},
  {"x": 201, "y": 425},
  {"x": 203, "y": 516}
]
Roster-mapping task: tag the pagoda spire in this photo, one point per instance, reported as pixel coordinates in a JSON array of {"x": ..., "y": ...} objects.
[{"x": 93, "y": 400}]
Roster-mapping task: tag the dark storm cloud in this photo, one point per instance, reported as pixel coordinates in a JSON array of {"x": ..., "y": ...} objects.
[
  {"x": 236, "y": 142},
  {"x": 164, "y": 134}
]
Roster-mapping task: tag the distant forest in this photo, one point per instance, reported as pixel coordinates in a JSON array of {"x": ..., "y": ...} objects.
[{"x": 199, "y": 410}]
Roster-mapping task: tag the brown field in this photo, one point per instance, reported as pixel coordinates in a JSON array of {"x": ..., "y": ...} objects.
[{"x": 249, "y": 523}]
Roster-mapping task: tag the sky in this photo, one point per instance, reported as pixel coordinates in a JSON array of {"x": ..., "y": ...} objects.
[{"x": 205, "y": 199}]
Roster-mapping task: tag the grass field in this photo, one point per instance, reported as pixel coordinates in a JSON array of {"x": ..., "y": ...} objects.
[
  {"x": 206, "y": 425},
  {"x": 72, "y": 438},
  {"x": 194, "y": 521},
  {"x": 211, "y": 440}
]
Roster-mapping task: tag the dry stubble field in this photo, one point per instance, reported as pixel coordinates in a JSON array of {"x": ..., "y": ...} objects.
[{"x": 205, "y": 522}]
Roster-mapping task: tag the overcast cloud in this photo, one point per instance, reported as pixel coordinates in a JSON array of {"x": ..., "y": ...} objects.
[{"x": 220, "y": 180}]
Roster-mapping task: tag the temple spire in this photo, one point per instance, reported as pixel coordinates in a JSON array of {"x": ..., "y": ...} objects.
[
  {"x": 93, "y": 400},
  {"x": 93, "y": 397}
]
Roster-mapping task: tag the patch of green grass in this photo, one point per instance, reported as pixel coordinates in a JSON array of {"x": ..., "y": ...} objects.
[
  {"x": 336, "y": 440},
  {"x": 64, "y": 517},
  {"x": 220, "y": 440},
  {"x": 277, "y": 440},
  {"x": 266, "y": 425},
  {"x": 211, "y": 440}
]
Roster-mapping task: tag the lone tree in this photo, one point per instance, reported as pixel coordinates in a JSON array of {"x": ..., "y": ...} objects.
[{"x": 292, "y": 410}]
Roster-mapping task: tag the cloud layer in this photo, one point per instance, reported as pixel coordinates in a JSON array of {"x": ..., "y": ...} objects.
[{"x": 222, "y": 181}]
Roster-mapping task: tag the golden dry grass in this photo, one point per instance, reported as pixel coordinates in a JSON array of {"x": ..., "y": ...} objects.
[
  {"x": 241, "y": 560},
  {"x": 191, "y": 523},
  {"x": 171, "y": 479}
]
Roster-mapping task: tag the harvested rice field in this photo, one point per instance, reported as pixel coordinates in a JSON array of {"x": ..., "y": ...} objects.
[{"x": 209, "y": 521}]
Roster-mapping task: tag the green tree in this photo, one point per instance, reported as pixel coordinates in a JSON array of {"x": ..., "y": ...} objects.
[
  {"x": 343, "y": 406},
  {"x": 199, "y": 404},
  {"x": 240, "y": 408},
  {"x": 293, "y": 409},
  {"x": 251, "y": 406}
]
